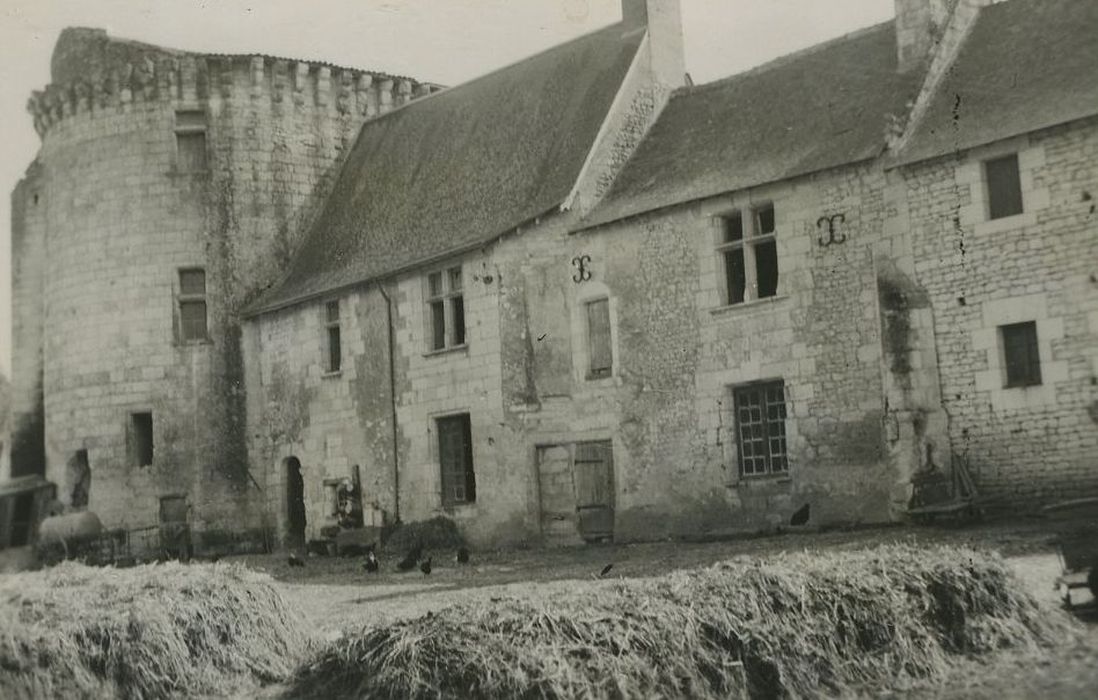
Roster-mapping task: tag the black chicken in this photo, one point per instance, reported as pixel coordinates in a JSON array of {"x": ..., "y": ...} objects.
[
  {"x": 463, "y": 556},
  {"x": 293, "y": 560},
  {"x": 425, "y": 567},
  {"x": 605, "y": 570},
  {"x": 800, "y": 517},
  {"x": 411, "y": 559}
]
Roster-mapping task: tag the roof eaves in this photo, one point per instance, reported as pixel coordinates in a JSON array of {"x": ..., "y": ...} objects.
[{"x": 259, "y": 309}]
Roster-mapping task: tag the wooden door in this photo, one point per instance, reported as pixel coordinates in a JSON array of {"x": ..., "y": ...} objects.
[
  {"x": 593, "y": 469},
  {"x": 559, "y": 522}
]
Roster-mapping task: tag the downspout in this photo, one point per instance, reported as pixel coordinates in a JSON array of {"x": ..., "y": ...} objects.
[{"x": 393, "y": 403}]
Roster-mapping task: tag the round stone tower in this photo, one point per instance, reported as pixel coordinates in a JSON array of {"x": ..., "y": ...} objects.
[{"x": 168, "y": 192}]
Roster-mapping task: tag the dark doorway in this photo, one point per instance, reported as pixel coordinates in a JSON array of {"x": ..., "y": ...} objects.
[
  {"x": 79, "y": 477},
  {"x": 295, "y": 504}
]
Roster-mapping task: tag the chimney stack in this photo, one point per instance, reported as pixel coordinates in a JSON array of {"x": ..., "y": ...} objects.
[
  {"x": 664, "y": 21},
  {"x": 919, "y": 24}
]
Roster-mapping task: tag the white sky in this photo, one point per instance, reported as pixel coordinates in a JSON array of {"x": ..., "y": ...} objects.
[{"x": 444, "y": 41}]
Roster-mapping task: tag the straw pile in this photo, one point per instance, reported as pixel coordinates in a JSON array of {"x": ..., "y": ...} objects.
[
  {"x": 799, "y": 625},
  {"x": 437, "y": 533},
  {"x": 147, "y": 632}
]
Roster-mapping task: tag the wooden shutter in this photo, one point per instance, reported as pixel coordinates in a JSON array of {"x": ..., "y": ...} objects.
[{"x": 598, "y": 335}]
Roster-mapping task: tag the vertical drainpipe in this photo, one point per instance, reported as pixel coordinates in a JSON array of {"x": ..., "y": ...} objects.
[{"x": 392, "y": 403}]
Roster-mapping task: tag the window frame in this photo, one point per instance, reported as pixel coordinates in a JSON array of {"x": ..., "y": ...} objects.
[
  {"x": 451, "y": 299},
  {"x": 448, "y": 479},
  {"x": 995, "y": 206},
  {"x": 333, "y": 352},
  {"x": 185, "y": 127},
  {"x": 768, "y": 435},
  {"x": 595, "y": 373},
  {"x": 1031, "y": 374},
  {"x": 752, "y": 236},
  {"x": 134, "y": 445},
  {"x": 184, "y": 298}
]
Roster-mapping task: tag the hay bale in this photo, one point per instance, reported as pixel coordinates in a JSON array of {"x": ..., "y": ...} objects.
[
  {"x": 439, "y": 532},
  {"x": 147, "y": 632},
  {"x": 791, "y": 626}
]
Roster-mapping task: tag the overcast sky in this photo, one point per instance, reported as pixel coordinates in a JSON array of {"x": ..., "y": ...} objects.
[{"x": 443, "y": 41}]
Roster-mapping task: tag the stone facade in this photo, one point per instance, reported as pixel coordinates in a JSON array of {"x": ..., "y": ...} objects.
[
  {"x": 881, "y": 344},
  {"x": 114, "y": 207},
  {"x": 1026, "y": 445}
]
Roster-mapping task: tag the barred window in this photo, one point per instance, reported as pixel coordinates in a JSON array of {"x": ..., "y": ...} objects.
[
  {"x": 455, "y": 450},
  {"x": 760, "y": 426}
]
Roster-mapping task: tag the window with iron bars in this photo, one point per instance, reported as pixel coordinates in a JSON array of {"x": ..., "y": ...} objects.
[{"x": 760, "y": 428}]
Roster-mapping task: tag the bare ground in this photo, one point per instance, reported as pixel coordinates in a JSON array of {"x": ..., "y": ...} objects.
[{"x": 336, "y": 595}]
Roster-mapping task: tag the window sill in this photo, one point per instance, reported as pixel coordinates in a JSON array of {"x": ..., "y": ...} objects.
[
  {"x": 195, "y": 343},
  {"x": 464, "y": 347},
  {"x": 331, "y": 374},
  {"x": 761, "y": 480},
  {"x": 754, "y": 303}
]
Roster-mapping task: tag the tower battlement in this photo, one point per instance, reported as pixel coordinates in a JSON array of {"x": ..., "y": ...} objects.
[{"x": 93, "y": 72}]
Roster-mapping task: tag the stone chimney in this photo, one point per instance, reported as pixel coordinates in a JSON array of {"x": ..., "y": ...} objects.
[
  {"x": 919, "y": 24},
  {"x": 664, "y": 21}
]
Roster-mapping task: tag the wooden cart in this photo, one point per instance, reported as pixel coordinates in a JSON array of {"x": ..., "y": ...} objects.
[{"x": 1076, "y": 525}]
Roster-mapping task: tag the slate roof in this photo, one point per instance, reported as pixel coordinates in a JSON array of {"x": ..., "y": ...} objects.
[
  {"x": 459, "y": 168},
  {"x": 1026, "y": 65},
  {"x": 815, "y": 109}
]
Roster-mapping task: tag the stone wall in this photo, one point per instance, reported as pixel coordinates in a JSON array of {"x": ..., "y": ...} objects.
[
  {"x": 1028, "y": 445},
  {"x": 120, "y": 215}
]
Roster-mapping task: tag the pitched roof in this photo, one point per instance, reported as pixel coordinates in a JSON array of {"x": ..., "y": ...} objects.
[
  {"x": 457, "y": 169},
  {"x": 816, "y": 109},
  {"x": 1026, "y": 65}
]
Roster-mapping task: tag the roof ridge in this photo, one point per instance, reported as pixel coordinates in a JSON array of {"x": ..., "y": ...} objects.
[
  {"x": 788, "y": 58},
  {"x": 507, "y": 66}
]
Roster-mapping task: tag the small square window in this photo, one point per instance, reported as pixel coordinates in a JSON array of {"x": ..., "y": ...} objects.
[
  {"x": 1020, "y": 354},
  {"x": 1004, "y": 187}
]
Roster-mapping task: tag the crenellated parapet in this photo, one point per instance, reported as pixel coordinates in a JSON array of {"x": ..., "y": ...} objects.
[{"x": 141, "y": 73}]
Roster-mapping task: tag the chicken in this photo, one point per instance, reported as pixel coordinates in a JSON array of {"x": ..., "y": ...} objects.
[
  {"x": 293, "y": 560},
  {"x": 372, "y": 564},
  {"x": 425, "y": 567},
  {"x": 463, "y": 555},
  {"x": 800, "y": 517},
  {"x": 605, "y": 570}
]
